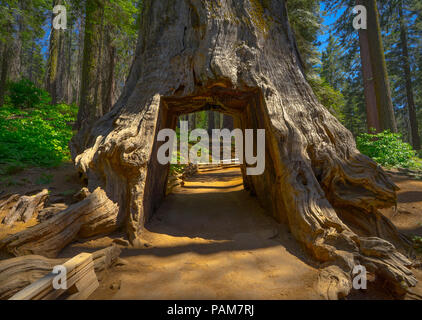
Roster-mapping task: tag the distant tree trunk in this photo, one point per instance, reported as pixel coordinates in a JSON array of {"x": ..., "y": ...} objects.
[
  {"x": 15, "y": 53},
  {"x": 78, "y": 74},
  {"x": 31, "y": 63},
  {"x": 368, "y": 81},
  {"x": 89, "y": 109},
  {"x": 4, "y": 71},
  {"x": 414, "y": 130},
  {"x": 379, "y": 69},
  {"x": 192, "y": 121},
  {"x": 68, "y": 88},
  {"x": 368, "y": 84},
  {"x": 227, "y": 122},
  {"x": 108, "y": 63},
  {"x": 211, "y": 122},
  {"x": 218, "y": 121},
  {"x": 53, "y": 74}
]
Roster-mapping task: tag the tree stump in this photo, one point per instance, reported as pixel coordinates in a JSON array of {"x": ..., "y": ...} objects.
[{"x": 240, "y": 58}]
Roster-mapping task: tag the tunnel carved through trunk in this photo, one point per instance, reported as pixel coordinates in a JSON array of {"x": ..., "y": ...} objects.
[{"x": 240, "y": 57}]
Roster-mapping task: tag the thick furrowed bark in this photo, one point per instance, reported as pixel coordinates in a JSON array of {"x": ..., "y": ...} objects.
[{"x": 239, "y": 58}]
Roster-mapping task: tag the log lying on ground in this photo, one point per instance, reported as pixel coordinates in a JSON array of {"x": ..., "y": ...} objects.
[
  {"x": 80, "y": 277},
  {"x": 22, "y": 208},
  {"x": 18, "y": 273},
  {"x": 50, "y": 211},
  {"x": 95, "y": 215}
]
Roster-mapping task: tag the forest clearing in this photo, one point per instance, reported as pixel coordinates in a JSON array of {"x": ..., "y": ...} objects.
[{"x": 211, "y": 150}]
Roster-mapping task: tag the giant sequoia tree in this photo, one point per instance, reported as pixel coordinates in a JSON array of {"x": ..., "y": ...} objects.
[{"x": 239, "y": 57}]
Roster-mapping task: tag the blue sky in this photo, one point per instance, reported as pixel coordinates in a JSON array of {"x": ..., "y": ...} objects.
[{"x": 328, "y": 21}]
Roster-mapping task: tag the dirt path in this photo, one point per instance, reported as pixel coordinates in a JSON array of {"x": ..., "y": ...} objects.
[
  {"x": 211, "y": 240},
  {"x": 408, "y": 217}
]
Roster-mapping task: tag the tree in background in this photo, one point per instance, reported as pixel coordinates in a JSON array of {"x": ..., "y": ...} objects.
[
  {"x": 351, "y": 43},
  {"x": 55, "y": 67},
  {"x": 103, "y": 20},
  {"x": 305, "y": 20},
  {"x": 372, "y": 116},
  {"x": 379, "y": 69},
  {"x": 21, "y": 27},
  {"x": 402, "y": 37}
]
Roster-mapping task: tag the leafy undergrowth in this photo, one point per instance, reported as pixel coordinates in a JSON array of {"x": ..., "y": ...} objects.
[
  {"x": 389, "y": 150},
  {"x": 33, "y": 132}
]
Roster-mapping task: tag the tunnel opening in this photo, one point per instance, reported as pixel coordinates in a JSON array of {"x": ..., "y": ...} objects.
[{"x": 229, "y": 109}]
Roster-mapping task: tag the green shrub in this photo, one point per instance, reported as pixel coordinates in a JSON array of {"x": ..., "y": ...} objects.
[
  {"x": 24, "y": 94},
  {"x": 386, "y": 148},
  {"x": 35, "y": 137}
]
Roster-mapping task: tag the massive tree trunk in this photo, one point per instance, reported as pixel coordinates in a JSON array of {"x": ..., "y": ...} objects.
[
  {"x": 414, "y": 130},
  {"x": 379, "y": 69},
  {"x": 239, "y": 58}
]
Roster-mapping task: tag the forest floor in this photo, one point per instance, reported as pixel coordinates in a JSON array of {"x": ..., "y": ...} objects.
[{"x": 211, "y": 240}]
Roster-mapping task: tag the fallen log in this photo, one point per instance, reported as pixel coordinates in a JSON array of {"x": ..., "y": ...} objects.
[
  {"x": 23, "y": 208},
  {"x": 95, "y": 215},
  {"x": 18, "y": 273},
  {"x": 76, "y": 271},
  {"x": 50, "y": 211}
]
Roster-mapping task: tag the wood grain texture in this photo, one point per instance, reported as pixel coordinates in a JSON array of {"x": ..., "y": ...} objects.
[
  {"x": 18, "y": 273},
  {"x": 94, "y": 215}
]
